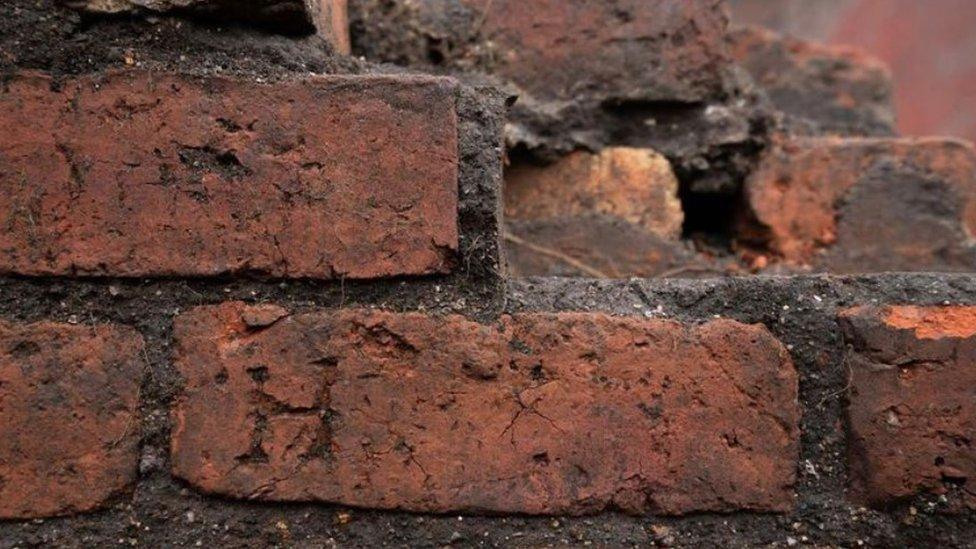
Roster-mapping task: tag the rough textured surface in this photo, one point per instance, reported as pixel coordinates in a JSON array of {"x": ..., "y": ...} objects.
[
  {"x": 134, "y": 174},
  {"x": 329, "y": 17},
  {"x": 69, "y": 421},
  {"x": 587, "y": 74},
  {"x": 634, "y": 185},
  {"x": 631, "y": 49},
  {"x": 600, "y": 246},
  {"x": 821, "y": 89},
  {"x": 540, "y": 414},
  {"x": 912, "y": 411},
  {"x": 800, "y": 311},
  {"x": 926, "y": 44},
  {"x": 862, "y": 205}
]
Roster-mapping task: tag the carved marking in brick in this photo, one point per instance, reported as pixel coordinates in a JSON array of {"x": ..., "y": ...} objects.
[
  {"x": 540, "y": 414},
  {"x": 69, "y": 418},
  {"x": 137, "y": 174},
  {"x": 863, "y": 205},
  {"x": 912, "y": 411}
]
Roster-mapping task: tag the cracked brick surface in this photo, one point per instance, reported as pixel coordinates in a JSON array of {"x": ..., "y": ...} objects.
[
  {"x": 69, "y": 420},
  {"x": 135, "y": 174},
  {"x": 568, "y": 413},
  {"x": 912, "y": 410}
]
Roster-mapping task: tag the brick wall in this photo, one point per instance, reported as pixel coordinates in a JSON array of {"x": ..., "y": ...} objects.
[{"x": 254, "y": 291}]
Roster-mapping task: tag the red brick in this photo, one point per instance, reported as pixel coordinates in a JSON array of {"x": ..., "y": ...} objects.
[
  {"x": 553, "y": 49},
  {"x": 139, "y": 174},
  {"x": 862, "y": 205},
  {"x": 636, "y": 49},
  {"x": 631, "y": 184},
  {"x": 615, "y": 213},
  {"x": 69, "y": 417},
  {"x": 539, "y": 413},
  {"x": 821, "y": 89},
  {"x": 912, "y": 411}
]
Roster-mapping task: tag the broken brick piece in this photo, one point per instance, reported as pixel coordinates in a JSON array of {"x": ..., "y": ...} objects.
[
  {"x": 611, "y": 214},
  {"x": 539, "y": 413},
  {"x": 597, "y": 246},
  {"x": 850, "y": 205},
  {"x": 69, "y": 417},
  {"x": 821, "y": 89},
  {"x": 156, "y": 174},
  {"x": 635, "y": 185},
  {"x": 912, "y": 404}
]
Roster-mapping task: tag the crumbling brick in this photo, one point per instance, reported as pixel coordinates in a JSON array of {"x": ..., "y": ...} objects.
[
  {"x": 912, "y": 410},
  {"x": 866, "y": 205},
  {"x": 541, "y": 413},
  {"x": 820, "y": 89},
  {"x": 69, "y": 423},
  {"x": 550, "y": 49},
  {"x": 614, "y": 213},
  {"x": 635, "y": 185}
]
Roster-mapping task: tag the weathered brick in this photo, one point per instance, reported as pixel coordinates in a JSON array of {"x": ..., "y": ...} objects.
[
  {"x": 821, "y": 89},
  {"x": 539, "y": 413},
  {"x": 69, "y": 422},
  {"x": 139, "y": 174},
  {"x": 635, "y": 185},
  {"x": 912, "y": 404},
  {"x": 596, "y": 245},
  {"x": 552, "y": 49},
  {"x": 615, "y": 213},
  {"x": 329, "y": 17},
  {"x": 862, "y": 205}
]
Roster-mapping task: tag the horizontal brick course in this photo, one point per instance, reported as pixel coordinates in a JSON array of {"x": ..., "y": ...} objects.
[
  {"x": 69, "y": 421},
  {"x": 912, "y": 410},
  {"x": 540, "y": 413},
  {"x": 141, "y": 174}
]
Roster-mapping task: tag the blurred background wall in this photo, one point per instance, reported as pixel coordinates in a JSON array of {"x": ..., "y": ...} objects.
[{"x": 930, "y": 46}]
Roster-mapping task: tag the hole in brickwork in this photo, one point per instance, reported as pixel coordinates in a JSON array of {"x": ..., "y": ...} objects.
[
  {"x": 710, "y": 218},
  {"x": 598, "y": 227}
]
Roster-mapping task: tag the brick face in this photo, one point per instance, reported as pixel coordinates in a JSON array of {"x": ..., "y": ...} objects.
[
  {"x": 636, "y": 49},
  {"x": 69, "y": 419},
  {"x": 912, "y": 411},
  {"x": 539, "y": 413},
  {"x": 139, "y": 174},
  {"x": 851, "y": 205}
]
